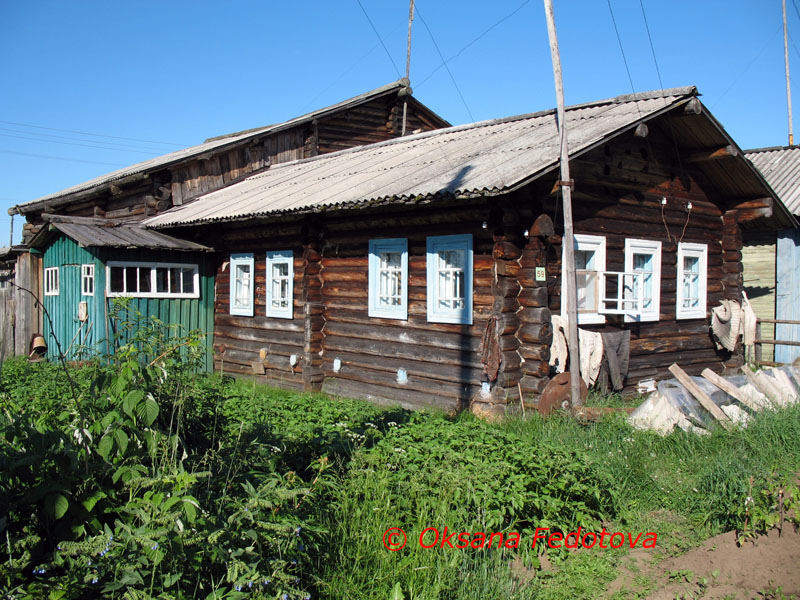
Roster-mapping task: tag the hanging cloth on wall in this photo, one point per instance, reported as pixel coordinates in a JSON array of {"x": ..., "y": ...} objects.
[
  {"x": 591, "y": 353},
  {"x": 749, "y": 321},
  {"x": 726, "y": 323}
]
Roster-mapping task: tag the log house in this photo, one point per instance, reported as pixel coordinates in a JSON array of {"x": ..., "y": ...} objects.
[{"x": 425, "y": 270}]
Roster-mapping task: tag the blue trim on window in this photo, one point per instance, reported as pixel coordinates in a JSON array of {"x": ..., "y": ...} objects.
[
  {"x": 436, "y": 245},
  {"x": 242, "y": 259},
  {"x": 375, "y": 248},
  {"x": 279, "y": 256}
]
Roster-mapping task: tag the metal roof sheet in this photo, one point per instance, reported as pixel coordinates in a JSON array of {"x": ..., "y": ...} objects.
[
  {"x": 486, "y": 157},
  {"x": 209, "y": 145},
  {"x": 781, "y": 168},
  {"x": 103, "y": 233}
]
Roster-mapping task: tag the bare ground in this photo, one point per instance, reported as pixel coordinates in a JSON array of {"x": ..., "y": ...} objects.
[{"x": 767, "y": 568}]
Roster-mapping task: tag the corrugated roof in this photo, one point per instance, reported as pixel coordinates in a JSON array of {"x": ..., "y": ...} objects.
[
  {"x": 209, "y": 145},
  {"x": 487, "y": 157},
  {"x": 104, "y": 233},
  {"x": 781, "y": 168}
]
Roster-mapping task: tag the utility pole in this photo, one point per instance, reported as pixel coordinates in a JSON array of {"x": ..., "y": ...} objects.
[
  {"x": 408, "y": 65},
  {"x": 788, "y": 85},
  {"x": 568, "y": 280}
]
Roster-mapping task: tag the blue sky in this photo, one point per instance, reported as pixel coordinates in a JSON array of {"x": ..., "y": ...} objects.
[{"x": 163, "y": 75}]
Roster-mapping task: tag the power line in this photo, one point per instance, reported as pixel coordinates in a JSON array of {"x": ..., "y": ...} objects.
[
  {"x": 457, "y": 54},
  {"x": 652, "y": 48},
  {"x": 621, "y": 49},
  {"x": 453, "y": 79},
  {"x": 92, "y": 162},
  {"x": 743, "y": 71},
  {"x": 116, "y": 137},
  {"x": 380, "y": 38},
  {"x": 77, "y": 139},
  {"x": 22, "y": 137}
]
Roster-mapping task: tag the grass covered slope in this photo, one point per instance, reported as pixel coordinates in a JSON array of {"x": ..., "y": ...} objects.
[{"x": 199, "y": 486}]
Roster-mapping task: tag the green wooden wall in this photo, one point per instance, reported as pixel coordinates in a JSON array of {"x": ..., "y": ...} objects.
[{"x": 97, "y": 333}]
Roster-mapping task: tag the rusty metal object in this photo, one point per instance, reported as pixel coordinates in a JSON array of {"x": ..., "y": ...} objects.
[{"x": 556, "y": 394}]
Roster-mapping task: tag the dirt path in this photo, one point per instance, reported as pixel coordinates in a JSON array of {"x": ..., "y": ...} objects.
[{"x": 768, "y": 569}]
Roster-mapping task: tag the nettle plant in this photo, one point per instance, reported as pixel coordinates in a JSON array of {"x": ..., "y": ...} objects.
[{"x": 112, "y": 503}]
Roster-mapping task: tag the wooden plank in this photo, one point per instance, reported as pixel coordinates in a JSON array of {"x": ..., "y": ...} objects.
[
  {"x": 760, "y": 384},
  {"x": 730, "y": 389},
  {"x": 703, "y": 398}
]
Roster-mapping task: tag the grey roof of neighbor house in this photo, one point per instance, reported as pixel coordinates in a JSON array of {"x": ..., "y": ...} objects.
[
  {"x": 486, "y": 158},
  {"x": 214, "y": 143},
  {"x": 92, "y": 232},
  {"x": 780, "y": 166}
]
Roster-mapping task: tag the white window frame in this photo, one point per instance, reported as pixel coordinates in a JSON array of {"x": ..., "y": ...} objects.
[
  {"x": 51, "y": 281},
  {"x": 87, "y": 280},
  {"x": 652, "y": 247},
  {"x": 700, "y": 251},
  {"x": 152, "y": 266},
  {"x": 376, "y": 247},
  {"x": 434, "y": 246},
  {"x": 278, "y": 257},
  {"x": 584, "y": 242},
  {"x": 242, "y": 259}
]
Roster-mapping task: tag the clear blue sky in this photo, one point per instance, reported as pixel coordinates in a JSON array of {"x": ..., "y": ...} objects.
[{"x": 181, "y": 71}]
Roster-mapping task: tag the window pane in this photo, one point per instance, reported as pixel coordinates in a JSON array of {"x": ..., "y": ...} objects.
[
  {"x": 644, "y": 263},
  {"x": 584, "y": 259},
  {"x": 144, "y": 280},
  {"x": 162, "y": 280},
  {"x": 587, "y": 291},
  {"x": 188, "y": 281},
  {"x": 242, "y": 286},
  {"x": 390, "y": 279},
  {"x": 451, "y": 279},
  {"x": 117, "y": 283},
  {"x": 130, "y": 279}
]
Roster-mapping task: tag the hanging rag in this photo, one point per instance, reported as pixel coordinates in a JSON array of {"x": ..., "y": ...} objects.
[
  {"x": 616, "y": 355},
  {"x": 590, "y": 347},
  {"x": 749, "y": 321},
  {"x": 558, "y": 347},
  {"x": 489, "y": 349},
  {"x": 726, "y": 324}
]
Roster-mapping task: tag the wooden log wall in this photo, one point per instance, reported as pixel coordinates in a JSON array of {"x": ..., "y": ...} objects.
[
  {"x": 442, "y": 361},
  {"x": 618, "y": 192},
  {"x": 260, "y": 345}
]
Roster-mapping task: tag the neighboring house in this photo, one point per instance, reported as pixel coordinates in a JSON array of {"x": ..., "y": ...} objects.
[
  {"x": 86, "y": 262},
  {"x": 153, "y": 186},
  {"x": 772, "y": 258},
  {"x": 423, "y": 270},
  {"x": 8, "y": 300}
]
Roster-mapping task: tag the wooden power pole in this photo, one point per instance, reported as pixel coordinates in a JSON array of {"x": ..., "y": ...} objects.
[
  {"x": 788, "y": 84},
  {"x": 568, "y": 280},
  {"x": 408, "y": 65}
]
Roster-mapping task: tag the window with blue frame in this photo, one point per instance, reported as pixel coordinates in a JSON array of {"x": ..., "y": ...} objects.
[
  {"x": 280, "y": 284},
  {"x": 242, "y": 284},
  {"x": 449, "y": 270},
  {"x": 388, "y": 278}
]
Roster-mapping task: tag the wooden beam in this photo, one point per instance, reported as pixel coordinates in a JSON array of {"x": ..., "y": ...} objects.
[
  {"x": 729, "y": 151},
  {"x": 730, "y": 389},
  {"x": 703, "y": 398},
  {"x": 641, "y": 130},
  {"x": 693, "y": 107}
]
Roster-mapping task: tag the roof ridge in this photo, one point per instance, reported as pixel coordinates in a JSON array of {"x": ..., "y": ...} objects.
[
  {"x": 771, "y": 149},
  {"x": 663, "y": 93}
]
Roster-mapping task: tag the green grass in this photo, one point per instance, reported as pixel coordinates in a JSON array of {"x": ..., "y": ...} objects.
[{"x": 395, "y": 468}]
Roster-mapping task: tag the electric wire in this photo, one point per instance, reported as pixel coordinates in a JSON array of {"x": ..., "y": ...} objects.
[
  {"x": 64, "y": 158},
  {"x": 113, "y": 145},
  {"x": 116, "y": 137},
  {"x": 621, "y": 49},
  {"x": 379, "y": 38},
  {"x": 652, "y": 48},
  {"x": 457, "y": 54},
  {"x": 747, "y": 68},
  {"x": 22, "y": 137},
  {"x": 449, "y": 72}
]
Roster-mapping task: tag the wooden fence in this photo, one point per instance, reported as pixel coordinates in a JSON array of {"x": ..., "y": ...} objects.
[
  {"x": 760, "y": 340},
  {"x": 7, "y": 322}
]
